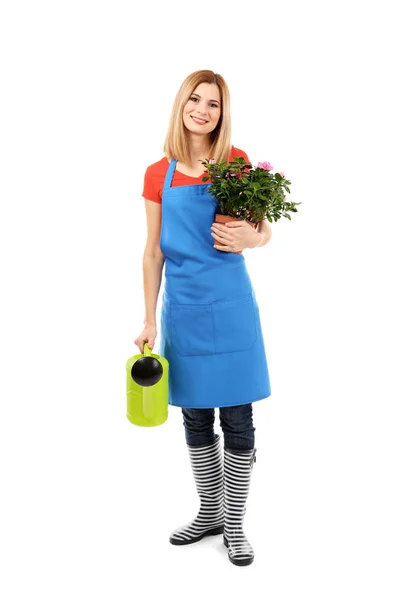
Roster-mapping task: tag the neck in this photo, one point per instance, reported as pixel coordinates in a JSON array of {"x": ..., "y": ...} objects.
[{"x": 199, "y": 148}]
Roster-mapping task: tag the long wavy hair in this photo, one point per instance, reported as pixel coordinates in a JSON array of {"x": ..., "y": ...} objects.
[{"x": 176, "y": 143}]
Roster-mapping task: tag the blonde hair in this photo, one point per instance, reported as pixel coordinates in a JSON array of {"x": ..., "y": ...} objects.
[{"x": 176, "y": 143}]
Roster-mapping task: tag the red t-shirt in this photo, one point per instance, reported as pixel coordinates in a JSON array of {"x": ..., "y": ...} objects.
[{"x": 155, "y": 175}]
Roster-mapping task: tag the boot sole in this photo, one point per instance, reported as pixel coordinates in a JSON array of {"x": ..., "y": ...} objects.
[
  {"x": 235, "y": 561},
  {"x": 215, "y": 531}
]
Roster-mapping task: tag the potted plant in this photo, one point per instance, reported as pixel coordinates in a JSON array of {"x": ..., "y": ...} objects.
[{"x": 248, "y": 192}]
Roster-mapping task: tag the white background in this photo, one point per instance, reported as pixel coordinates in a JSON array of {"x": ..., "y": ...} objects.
[{"x": 88, "y": 500}]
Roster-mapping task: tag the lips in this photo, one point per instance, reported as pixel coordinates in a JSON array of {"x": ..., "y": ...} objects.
[{"x": 199, "y": 121}]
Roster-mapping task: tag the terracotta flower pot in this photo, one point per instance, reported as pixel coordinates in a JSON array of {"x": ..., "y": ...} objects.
[{"x": 225, "y": 219}]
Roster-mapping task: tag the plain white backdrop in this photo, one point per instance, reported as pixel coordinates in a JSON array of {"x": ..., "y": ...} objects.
[{"x": 87, "y": 499}]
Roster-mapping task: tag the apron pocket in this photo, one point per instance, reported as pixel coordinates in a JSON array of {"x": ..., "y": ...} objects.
[
  {"x": 192, "y": 329},
  {"x": 234, "y": 324}
]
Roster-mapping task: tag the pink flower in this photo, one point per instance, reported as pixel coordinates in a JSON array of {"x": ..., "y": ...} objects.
[
  {"x": 212, "y": 161},
  {"x": 282, "y": 174},
  {"x": 264, "y": 165}
]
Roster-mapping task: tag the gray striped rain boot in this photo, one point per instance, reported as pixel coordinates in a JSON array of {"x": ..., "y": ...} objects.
[
  {"x": 237, "y": 474},
  {"x": 208, "y": 471}
]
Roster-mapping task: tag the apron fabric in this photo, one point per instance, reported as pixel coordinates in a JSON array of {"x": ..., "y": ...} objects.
[{"x": 210, "y": 322}]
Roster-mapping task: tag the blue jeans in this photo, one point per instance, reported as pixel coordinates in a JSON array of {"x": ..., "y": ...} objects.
[{"x": 236, "y": 423}]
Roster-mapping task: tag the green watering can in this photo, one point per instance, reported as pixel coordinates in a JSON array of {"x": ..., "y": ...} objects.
[{"x": 147, "y": 389}]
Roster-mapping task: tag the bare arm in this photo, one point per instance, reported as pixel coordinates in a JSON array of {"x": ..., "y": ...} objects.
[
  {"x": 266, "y": 232},
  {"x": 153, "y": 261}
]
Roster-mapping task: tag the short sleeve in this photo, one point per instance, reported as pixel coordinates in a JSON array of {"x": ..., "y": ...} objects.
[
  {"x": 239, "y": 153},
  {"x": 150, "y": 190}
]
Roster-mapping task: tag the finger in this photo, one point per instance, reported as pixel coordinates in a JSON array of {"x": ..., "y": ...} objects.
[
  {"x": 219, "y": 227},
  {"x": 235, "y": 224},
  {"x": 215, "y": 230},
  {"x": 221, "y": 236},
  {"x": 217, "y": 237}
]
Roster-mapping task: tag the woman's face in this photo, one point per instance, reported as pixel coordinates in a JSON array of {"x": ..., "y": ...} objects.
[{"x": 204, "y": 104}]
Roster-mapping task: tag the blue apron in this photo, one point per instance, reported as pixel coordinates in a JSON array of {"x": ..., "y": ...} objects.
[{"x": 210, "y": 322}]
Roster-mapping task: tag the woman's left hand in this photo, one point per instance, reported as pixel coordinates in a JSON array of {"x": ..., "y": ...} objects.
[{"x": 235, "y": 235}]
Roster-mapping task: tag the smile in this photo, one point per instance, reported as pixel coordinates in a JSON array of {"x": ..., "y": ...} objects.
[{"x": 199, "y": 121}]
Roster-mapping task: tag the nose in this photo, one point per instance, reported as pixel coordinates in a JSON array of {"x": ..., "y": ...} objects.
[{"x": 201, "y": 108}]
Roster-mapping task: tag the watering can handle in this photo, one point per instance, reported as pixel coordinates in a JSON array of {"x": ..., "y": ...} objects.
[{"x": 146, "y": 350}]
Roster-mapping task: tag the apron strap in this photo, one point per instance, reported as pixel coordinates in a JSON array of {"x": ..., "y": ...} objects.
[{"x": 170, "y": 173}]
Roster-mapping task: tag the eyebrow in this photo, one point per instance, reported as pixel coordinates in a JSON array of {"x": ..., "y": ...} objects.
[{"x": 210, "y": 99}]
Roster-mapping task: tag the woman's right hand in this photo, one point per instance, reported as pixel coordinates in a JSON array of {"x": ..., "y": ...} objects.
[{"x": 148, "y": 335}]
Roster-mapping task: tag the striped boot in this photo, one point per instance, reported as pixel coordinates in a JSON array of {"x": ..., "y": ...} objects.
[
  {"x": 207, "y": 467},
  {"x": 237, "y": 475}
]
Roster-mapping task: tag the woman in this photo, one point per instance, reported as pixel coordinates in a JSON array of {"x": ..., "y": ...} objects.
[{"x": 210, "y": 325}]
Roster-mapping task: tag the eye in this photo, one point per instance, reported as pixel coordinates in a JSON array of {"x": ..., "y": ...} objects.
[{"x": 194, "y": 99}]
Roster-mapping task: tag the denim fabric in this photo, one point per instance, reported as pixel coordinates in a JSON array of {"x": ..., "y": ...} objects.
[{"x": 236, "y": 423}]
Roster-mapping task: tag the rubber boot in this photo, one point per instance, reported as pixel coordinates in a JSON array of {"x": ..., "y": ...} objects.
[
  {"x": 208, "y": 472},
  {"x": 237, "y": 474}
]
